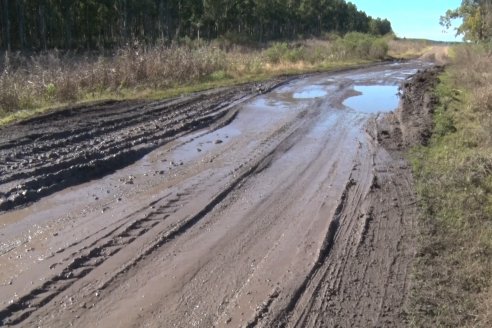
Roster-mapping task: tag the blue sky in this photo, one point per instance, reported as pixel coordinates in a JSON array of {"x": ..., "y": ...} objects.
[{"x": 412, "y": 19}]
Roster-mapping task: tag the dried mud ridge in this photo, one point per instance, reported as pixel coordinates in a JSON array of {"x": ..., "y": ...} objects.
[
  {"x": 357, "y": 276},
  {"x": 49, "y": 153}
]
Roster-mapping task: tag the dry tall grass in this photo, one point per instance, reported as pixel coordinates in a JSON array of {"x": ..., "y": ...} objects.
[
  {"x": 402, "y": 48},
  {"x": 27, "y": 82},
  {"x": 454, "y": 269},
  {"x": 54, "y": 77}
]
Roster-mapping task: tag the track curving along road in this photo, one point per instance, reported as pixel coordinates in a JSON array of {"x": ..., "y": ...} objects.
[{"x": 270, "y": 205}]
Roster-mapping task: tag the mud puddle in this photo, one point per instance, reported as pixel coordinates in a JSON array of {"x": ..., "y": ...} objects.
[
  {"x": 374, "y": 98},
  {"x": 310, "y": 93}
]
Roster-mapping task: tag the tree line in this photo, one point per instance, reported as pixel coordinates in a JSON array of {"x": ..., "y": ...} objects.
[{"x": 89, "y": 24}]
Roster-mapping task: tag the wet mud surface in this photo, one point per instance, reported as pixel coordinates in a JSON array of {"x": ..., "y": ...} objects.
[{"x": 272, "y": 205}]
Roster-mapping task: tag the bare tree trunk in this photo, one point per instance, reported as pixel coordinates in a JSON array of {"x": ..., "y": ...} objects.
[
  {"x": 42, "y": 24},
  {"x": 178, "y": 29},
  {"x": 6, "y": 20},
  {"x": 125, "y": 21},
  {"x": 162, "y": 19},
  {"x": 22, "y": 23},
  {"x": 67, "y": 26}
]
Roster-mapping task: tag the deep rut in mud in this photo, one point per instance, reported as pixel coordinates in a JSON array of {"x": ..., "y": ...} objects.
[{"x": 226, "y": 208}]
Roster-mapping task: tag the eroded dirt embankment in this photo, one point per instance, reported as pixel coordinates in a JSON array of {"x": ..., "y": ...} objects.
[
  {"x": 281, "y": 210},
  {"x": 412, "y": 122}
]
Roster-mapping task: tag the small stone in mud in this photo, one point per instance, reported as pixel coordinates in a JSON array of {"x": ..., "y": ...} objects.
[
  {"x": 228, "y": 320},
  {"x": 198, "y": 150},
  {"x": 161, "y": 172},
  {"x": 119, "y": 199},
  {"x": 218, "y": 141}
]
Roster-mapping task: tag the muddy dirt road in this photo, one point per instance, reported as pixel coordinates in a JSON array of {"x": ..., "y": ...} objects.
[{"x": 272, "y": 205}]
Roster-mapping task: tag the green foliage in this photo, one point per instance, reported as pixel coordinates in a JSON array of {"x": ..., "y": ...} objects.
[
  {"x": 281, "y": 51},
  {"x": 50, "y": 91},
  {"x": 91, "y": 24},
  {"x": 353, "y": 45},
  {"x": 379, "y": 49},
  {"x": 361, "y": 46},
  {"x": 476, "y": 17},
  {"x": 379, "y": 26},
  {"x": 219, "y": 75}
]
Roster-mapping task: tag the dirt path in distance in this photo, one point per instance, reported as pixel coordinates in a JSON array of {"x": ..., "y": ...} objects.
[{"x": 267, "y": 206}]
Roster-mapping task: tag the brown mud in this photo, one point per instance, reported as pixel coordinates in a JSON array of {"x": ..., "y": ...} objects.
[{"x": 268, "y": 205}]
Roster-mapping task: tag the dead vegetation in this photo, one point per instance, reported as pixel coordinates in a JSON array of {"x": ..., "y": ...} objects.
[
  {"x": 454, "y": 268},
  {"x": 437, "y": 52},
  {"x": 52, "y": 78},
  {"x": 407, "y": 48}
]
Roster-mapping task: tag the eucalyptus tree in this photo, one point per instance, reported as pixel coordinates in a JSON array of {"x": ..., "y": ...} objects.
[{"x": 88, "y": 24}]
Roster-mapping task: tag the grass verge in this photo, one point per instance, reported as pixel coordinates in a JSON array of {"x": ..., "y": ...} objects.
[{"x": 453, "y": 271}]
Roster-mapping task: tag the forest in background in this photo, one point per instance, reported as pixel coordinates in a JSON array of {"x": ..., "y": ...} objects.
[{"x": 95, "y": 24}]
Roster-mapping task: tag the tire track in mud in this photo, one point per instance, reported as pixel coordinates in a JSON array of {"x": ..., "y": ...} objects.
[
  {"x": 79, "y": 264},
  {"x": 88, "y": 258},
  {"x": 360, "y": 277},
  {"x": 55, "y": 153},
  {"x": 261, "y": 317}
]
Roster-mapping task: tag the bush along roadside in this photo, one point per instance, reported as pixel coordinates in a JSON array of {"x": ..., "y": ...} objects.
[{"x": 453, "y": 270}]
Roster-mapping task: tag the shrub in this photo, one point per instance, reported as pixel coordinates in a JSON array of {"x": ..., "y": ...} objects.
[
  {"x": 358, "y": 45},
  {"x": 276, "y": 52},
  {"x": 379, "y": 49}
]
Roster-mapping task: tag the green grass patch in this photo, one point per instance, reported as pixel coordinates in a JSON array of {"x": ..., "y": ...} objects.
[{"x": 453, "y": 271}]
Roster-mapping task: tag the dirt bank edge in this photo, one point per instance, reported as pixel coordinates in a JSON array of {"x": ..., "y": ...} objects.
[
  {"x": 412, "y": 123},
  {"x": 410, "y": 126}
]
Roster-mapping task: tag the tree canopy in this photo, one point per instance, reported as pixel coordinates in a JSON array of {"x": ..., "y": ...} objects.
[
  {"x": 476, "y": 18},
  {"x": 67, "y": 24}
]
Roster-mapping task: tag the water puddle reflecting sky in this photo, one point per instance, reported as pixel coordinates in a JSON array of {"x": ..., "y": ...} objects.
[{"x": 374, "y": 99}]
